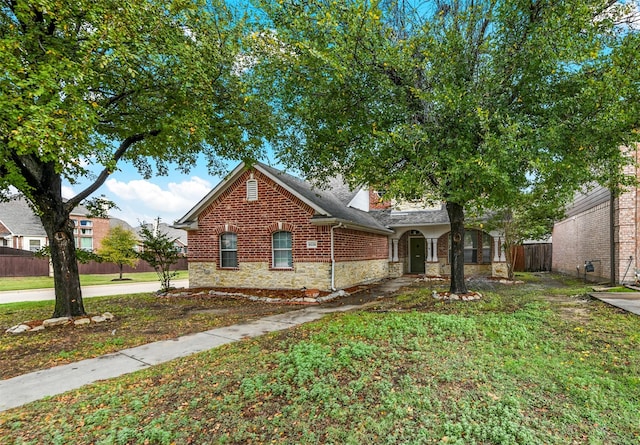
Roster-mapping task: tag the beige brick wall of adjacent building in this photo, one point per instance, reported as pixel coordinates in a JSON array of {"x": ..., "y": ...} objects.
[{"x": 583, "y": 237}]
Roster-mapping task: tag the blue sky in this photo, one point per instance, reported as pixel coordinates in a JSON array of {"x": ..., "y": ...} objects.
[{"x": 167, "y": 197}]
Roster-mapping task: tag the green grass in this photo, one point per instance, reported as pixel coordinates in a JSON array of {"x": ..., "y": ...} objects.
[
  {"x": 509, "y": 369},
  {"x": 24, "y": 283}
]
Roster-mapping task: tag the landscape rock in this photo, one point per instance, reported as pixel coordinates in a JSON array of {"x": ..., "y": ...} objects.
[
  {"x": 18, "y": 329},
  {"x": 98, "y": 319},
  {"x": 81, "y": 321},
  {"x": 49, "y": 322},
  {"x": 108, "y": 316}
]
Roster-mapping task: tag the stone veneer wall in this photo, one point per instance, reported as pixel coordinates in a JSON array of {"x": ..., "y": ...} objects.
[
  {"x": 259, "y": 275},
  {"x": 309, "y": 275},
  {"x": 350, "y": 273}
]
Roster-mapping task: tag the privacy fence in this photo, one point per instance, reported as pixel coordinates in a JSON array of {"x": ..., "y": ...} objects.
[
  {"x": 22, "y": 263},
  {"x": 533, "y": 258}
]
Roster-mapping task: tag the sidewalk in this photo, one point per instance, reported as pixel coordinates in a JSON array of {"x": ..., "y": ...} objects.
[
  {"x": 101, "y": 290},
  {"x": 27, "y": 388}
]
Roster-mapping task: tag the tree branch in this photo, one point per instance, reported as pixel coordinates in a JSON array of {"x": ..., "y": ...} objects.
[{"x": 104, "y": 174}]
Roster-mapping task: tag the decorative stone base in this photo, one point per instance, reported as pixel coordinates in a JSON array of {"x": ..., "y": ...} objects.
[
  {"x": 432, "y": 269},
  {"x": 499, "y": 270},
  {"x": 308, "y": 275},
  {"x": 351, "y": 273},
  {"x": 259, "y": 275},
  {"x": 396, "y": 269}
]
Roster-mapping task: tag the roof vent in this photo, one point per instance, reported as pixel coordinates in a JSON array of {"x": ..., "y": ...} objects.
[{"x": 252, "y": 190}]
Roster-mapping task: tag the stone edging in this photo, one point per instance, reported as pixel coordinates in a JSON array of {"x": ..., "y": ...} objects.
[{"x": 60, "y": 321}]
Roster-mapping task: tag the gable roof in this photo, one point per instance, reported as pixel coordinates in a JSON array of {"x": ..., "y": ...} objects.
[
  {"x": 20, "y": 219},
  {"x": 176, "y": 233},
  {"x": 327, "y": 207}
]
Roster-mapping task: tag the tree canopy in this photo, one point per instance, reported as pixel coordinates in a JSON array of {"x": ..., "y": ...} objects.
[
  {"x": 466, "y": 102},
  {"x": 88, "y": 85}
]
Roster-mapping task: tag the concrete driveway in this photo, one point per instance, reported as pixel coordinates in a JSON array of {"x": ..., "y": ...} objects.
[{"x": 15, "y": 296}]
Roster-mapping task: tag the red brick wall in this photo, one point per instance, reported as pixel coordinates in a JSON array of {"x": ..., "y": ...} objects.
[
  {"x": 352, "y": 245},
  {"x": 377, "y": 202},
  {"x": 255, "y": 221}
]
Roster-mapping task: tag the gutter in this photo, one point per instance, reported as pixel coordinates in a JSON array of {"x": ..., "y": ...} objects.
[
  {"x": 324, "y": 221},
  {"x": 333, "y": 257}
]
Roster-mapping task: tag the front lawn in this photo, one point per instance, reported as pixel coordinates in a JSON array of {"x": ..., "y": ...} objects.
[
  {"x": 23, "y": 283},
  {"x": 526, "y": 365}
]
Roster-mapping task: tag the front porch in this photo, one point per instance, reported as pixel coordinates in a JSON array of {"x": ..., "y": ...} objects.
[{"x": 425, "y": 251}]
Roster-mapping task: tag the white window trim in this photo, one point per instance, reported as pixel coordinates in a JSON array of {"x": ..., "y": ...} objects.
[
  {"x": 281, "y": 249},
  {"x": 222, "y": 266}
]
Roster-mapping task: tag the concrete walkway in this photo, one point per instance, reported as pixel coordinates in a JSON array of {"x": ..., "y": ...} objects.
[
  {"x": 15, "y": 296},
  {"x": 27, "y": 388},
  {"x": 629, "y": 301}
]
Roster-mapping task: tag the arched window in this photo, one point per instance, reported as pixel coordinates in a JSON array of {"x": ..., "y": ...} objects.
[
  {"x": 281, "y": 248},
  {"x": 228, "y": 250}
]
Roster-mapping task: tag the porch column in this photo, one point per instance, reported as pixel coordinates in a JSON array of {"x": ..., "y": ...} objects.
[
  {"x": 498, "y": 254},
  {"x": 429, "y": 251},
  {"x": 394, "y": 242},
  {"x": 434, "y": 249}
]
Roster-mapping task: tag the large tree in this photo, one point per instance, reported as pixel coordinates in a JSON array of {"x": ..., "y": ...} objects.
[
  {"x": 461, "y": 101},
  {"x": 87, "y": 85}
]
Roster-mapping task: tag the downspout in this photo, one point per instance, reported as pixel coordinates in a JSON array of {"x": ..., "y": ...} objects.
[{"x": 333, "y": 258}]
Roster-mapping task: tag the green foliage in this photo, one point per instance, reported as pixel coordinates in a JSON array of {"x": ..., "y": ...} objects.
[
  {"x": 465, "y": 102},
  {"x": 160, "y": 251},
  {"x": 88, "y": 85},
  {"x": 118, "y": 247}
]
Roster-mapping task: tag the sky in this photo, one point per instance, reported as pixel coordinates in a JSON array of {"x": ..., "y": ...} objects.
[{"x": 143, "y": 200}]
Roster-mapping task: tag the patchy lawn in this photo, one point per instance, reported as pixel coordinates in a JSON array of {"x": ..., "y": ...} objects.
[
  {"x": 517, "y": 367},
  {"x": 139, "y": 319}
]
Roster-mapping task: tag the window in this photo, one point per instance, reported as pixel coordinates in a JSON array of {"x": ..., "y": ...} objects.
[
  {"x": 470, "y": 246},
  {"x": 86, "y": 231},
  {"x": 282, "y": 257},
  {"x": 228, "y": 250},
  {"x": 252, "y": 190},
  {"x": 86, "y": 243},
  {"x": 477, "y": 247},
  {"x": 486, "y": 248},
  {"x": 34, "y": 245},
  {"x": 85, "y": 223}
]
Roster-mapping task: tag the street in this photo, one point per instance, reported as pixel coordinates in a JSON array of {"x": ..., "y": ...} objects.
[{"x": 15, "y": 296}]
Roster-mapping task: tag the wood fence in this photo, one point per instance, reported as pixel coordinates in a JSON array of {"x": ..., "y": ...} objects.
[
  {"x": 533, "y": 258},
  {"x": 22, "y": 263}
]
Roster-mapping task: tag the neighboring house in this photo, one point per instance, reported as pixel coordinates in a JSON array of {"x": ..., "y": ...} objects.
[
  {"x": 261, "y": 227},
  {"x": 20, "y": 227},
  {"x": 598, "y": 239},
  {"x": 179, "y": 236}
]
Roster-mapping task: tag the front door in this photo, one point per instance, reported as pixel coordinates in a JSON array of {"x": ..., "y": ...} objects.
[{"x": 416, "y": 255}]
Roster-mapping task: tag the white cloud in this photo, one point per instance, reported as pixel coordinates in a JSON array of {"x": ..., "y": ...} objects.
[
  {"x": 142, "y": 200},
  {"x": 67, "y": 192}
]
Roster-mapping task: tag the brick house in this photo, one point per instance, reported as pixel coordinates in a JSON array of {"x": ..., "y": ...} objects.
[
  {"x": 20, "y": 227},
  {"x": 262, "y": 227},
  {"x": 596, "y": 229}
]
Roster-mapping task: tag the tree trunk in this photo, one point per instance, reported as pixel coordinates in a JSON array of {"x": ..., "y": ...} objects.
[
  {"x": 120, "y": 271},
  {"x": 456, "y": 219},
  {"x": 66, "y": 277},
  {"x": 54, "y": 214}
]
